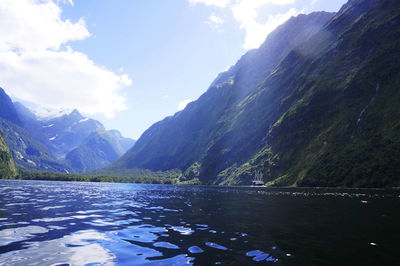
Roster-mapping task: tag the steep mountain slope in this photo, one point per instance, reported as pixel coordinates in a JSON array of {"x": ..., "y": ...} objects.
[
  {"x": 326, "y": 114},
  {"x": 98, "y": 150},
  {"x": 7, "y": 165},
  {"x": 123, "y": 144},
  {"x": 181, "y": 140},
  {"x": 31, "y": 123},
  {"x": 7, "y": 109}
]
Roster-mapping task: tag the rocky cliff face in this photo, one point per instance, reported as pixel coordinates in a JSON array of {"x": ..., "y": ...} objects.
[{"x": 318, "y": 111}]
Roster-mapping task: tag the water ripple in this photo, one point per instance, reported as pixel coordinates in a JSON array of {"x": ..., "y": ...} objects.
[{"x": 53, "y": 223}]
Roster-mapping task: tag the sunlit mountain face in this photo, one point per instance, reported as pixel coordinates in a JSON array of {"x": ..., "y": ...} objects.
[{"x": 313, "y": 106}]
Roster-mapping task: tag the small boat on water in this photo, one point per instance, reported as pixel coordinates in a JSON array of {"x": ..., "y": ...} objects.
[{"x": 258, "y": 180}]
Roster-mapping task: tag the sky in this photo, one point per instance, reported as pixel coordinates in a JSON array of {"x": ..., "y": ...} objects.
[{"x": 130, "y": 63}]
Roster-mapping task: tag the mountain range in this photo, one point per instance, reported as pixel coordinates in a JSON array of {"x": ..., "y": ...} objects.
[
  {"x": 66, "y": 142},
  {"x": 315, "y": 105}
]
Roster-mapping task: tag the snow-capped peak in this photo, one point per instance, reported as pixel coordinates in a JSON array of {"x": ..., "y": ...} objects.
[
  {"x": 83, "y": 120},
  {"x": 47, "y": 113}
]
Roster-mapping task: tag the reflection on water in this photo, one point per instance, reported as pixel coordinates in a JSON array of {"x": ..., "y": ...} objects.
[{"x": 61, "y": 223}]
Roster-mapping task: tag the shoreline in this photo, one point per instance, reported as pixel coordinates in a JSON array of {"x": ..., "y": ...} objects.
[{"x": 210, "y": 186}]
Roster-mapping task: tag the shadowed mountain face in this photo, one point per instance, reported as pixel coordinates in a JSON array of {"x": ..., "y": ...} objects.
[
  {"x": 24, "y": 139},
  {"x": 7, "y": 109},
  {"x": 316, "y": 104},
  {"x": 98, "y": 150}
]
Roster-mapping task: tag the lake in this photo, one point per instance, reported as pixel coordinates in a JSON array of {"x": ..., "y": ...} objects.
[{"x": 65, "y": 223}]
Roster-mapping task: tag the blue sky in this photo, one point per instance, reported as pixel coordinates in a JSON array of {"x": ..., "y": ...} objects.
[{"x": 130, "y": 63}]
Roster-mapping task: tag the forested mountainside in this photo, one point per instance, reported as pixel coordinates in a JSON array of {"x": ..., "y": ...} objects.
[
  {"x": 315, "y": 105},
  {"x": 50, "y": 143},
  {"x": 7, "y": 165}
]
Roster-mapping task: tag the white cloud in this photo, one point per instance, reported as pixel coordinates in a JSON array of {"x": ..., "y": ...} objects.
[
  {"x": 67, "y": 79},
  {"x": 183, "y": 104},
  {"x": 36, "y": 66},
  {"x": 314, "y": 2},
  {"x": 32, "y": 25},
  {"x": 215, "y": 21},
  {"x": 246, "y": 13},
  {"x": 217, "y": 3},
  {"x": 71, "y": 2}
]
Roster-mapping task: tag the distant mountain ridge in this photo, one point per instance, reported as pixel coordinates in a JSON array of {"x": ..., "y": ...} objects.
[
  {"x": 44, "y": 143},
  {"x": 315, "y": 105}
]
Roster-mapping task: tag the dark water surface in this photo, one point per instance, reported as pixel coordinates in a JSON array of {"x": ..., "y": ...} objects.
[{"x": 61, "y": 223}]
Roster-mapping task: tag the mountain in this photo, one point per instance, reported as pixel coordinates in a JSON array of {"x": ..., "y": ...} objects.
[
  {"x": 184, "y": 139},
  {"x": 7, "y": 109},
  {"x": 68, "y": 131},
  {"x": 98, "y": 150},
  {"x": 124, "y": 144},
  {"x": 84, "y": 143},
  {"x": 7, "y": 165},
  {"x": 51, "y": 141},
  {"x": 315, "y": 105},
  {"x": 27, "y": 151}
]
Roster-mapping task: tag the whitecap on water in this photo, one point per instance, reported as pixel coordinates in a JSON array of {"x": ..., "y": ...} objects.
[
  {"x": 86, "y": 216},
  {"x": 141, "y": 234},
  {"x": 182, "y": 259},
  {"x": 182, "y": 230},
  {"x": 55, "y": 219},
  {"x": 75, "y": 249},
  {"x": 165, "y": 245},
  {"x": 259, "y": 255},
  {"x": 18, "y": 204},
  {"x": 55, "y": 227},
  {"x": 195, "y": 249},
  {"x": 201, "y": 225},
  {"x": 11, "y": 235},
  {"x": 88, "y": 211},
  {"x": 214, "y": 245},
  {"x": 52, "y": 207}
]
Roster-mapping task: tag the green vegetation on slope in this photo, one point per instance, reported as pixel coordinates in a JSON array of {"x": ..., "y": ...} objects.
[
  {"x": 325, "y": 115},
  {"x": 342, "y": 126},
  {"x": 7, "y": 165},
  {"x": 137, "y": 176}
]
